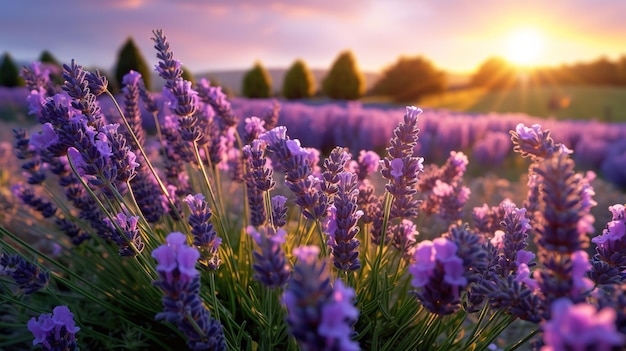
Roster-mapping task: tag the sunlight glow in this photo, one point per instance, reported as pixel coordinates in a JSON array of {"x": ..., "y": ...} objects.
[{"x": 524, "y": 46}]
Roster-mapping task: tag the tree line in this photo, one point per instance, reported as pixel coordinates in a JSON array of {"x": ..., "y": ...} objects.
[
  {"x": 496, "y": 74},
  {"x": 406, "y": 80}
]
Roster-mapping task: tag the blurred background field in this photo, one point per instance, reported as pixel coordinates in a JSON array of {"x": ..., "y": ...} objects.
[
  {"x": 604, "y": 103},
  {"x": 551, "y": 64}
]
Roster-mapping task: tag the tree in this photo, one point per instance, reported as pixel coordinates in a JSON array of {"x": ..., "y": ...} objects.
[
  {"x": 257, "y": 82},
  {"x": 299, "y": 82},
  {"x": 409, "y": 79},
  {"x": 9, "y": 73},
  {"x": 344, "y": 80},
  {"x": 130, "y": 58},
  {"x": 51, "y": 62},
  {"x": 187, "y": 75},
  {"x": 47, "y": 57},
  {"x": 494, "y": 74}
]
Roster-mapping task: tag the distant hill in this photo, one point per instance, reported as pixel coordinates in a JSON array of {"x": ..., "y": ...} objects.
[{"x": 233, "y": 78}]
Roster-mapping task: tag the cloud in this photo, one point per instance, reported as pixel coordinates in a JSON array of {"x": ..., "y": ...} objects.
[{"x": 286, "y": 7}]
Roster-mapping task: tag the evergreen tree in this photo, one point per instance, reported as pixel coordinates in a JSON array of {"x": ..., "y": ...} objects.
[
  {"x": 47, "y": 57},
  {"x": 344, "y": 81},
  {"x": 56, "y": 69},
  {"x": 130, "y": 58},
  {"x": 299, "y": 82},
  {"x": 257, "y": 82},
  {"x": 9, "y": 73},
  {"x": 409, "y": 79}
]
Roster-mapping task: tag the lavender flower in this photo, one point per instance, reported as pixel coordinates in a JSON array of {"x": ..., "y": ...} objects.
[
  {"x": 56, "y": 331},
  {"x": 442, "y": 188},
  {"x": 175, "y": 152},
  {"x": 532, "y": 141},
  {"x": 77, "y": 87},
  {"x": 341, "y": 224},
  {"x": 400, "y": 167},
  {"x": 581, "y": 327},
  {"x": 609, "y": 262},
  {"x": 271, "y": 117},
  {"x": 514, "y": 238},
  {"x": 97, "y": 82},
  {"x": 128, "y": 237},
  {"x": 279, "y": 211},
  {"x": 455, "y": 167},
  {"x": 367, "y": 201},
  {"x": 91, "y": 153},
  {"x": 489, "y": 219},
  {"x": 184, "y": 103},
  {"x": 182, "y": 98},
  {"x": 258, "y": 180},
  {"x": 217, "y": 99},
  {"x": 259, "y": 172},
  {"x": 30, "y": 152},
  {"x": 270, "y": 267},
  {"x": 562, "y": 217},
  {"x": 38, "y": 203},
  {"x": 182, "y": 305},
  {"x": 447, "y": 200},
  {"x": 148, "y": 194},
  {"x": 37, "y": 78},
  {"x": 168, "y": 68},
  {"x": 76, "y": 234},
  {"x": 123, "y": 160},
  {"x": 205, "y": 236},
  {"x": 438, "y": 273},
  {"x": 296, "y": 163},
  {"x": 403, "y": 237},
  {"x": 28, "y": 277},
  {"x": 532, "y": 201},
  {"x": 132, "y": 84},
  {"x": 338, "y": 315},
  {"x": 253, "y": 128},
  {"x": 508, "y": 282},
  {"x": 319, "y": 316},
  {"x": 333, "y": 166},
  {"x": 368, "y": 163},
  {"x": 475, "y": 255}
]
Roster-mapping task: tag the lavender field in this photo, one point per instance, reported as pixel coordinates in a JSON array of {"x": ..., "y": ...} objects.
[{"x": 184, "y": 218}]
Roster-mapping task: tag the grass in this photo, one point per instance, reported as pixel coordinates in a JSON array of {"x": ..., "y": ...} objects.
[{"x": 585, "y": 102}]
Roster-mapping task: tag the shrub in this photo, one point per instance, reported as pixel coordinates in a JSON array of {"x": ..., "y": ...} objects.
[
  {"x": 9, "y": 73},
  {"x": 344, "y": 80},
  {"x": 188, "y": 76},
  {"x": 409, "y": 79},
  {"x": 47, "y": 57},
  {"x": 494, "y": 74},
  {"x": 299, "y": 82},
  {"x": 257, "y": 82},
  {"x": 130, "y": 58}
]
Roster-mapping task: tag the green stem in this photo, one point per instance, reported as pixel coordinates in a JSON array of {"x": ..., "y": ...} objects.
[
  {"x": 67, "y": 271},
  {"x": 383, "y": 231},
  {"x": 481, "y": 317},
  {"x": 214, "y": 296},
  {"x": 523, "y": 340}
]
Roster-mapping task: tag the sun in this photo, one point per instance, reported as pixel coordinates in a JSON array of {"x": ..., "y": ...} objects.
[{"x": 524, "y": 46}]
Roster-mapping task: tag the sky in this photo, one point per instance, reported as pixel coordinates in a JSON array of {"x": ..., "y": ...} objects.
[{"x": 212, "y": 35}]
